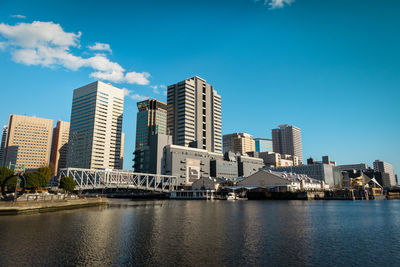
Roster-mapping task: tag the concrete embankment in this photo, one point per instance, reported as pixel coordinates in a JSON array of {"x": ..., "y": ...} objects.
[{"x": 14, "y": 208}]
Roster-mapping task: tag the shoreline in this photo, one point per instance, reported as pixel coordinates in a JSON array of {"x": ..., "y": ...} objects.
[{"x": 16, "y": 208}]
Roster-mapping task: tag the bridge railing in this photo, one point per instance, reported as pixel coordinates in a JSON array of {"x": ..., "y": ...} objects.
[{"x": 87, "y": 179}]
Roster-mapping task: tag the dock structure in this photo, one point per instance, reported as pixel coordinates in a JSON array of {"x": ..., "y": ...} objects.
[{"x": 90, "y": 179}]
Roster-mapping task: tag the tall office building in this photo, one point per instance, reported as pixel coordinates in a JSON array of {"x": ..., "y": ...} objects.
[
  {"x": 287, "y": 140},
  {"x": 151, "y": 119},
  {"x": 194, "y": 114},
  {"x": 59, "y": 146},
  {"x": 238, "y": 143},
  {"x": 3, "y": 145},
  {"x": 28, "y": 141},
  {"x": 381, "y": 166},
  {"x": 96, "y": 127},
  {"x": 263, "y": 145},
  {"x": 121, "y": 156}
]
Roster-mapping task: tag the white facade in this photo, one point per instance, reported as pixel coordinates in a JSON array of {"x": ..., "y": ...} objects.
[{"x": 96, "y": 127}]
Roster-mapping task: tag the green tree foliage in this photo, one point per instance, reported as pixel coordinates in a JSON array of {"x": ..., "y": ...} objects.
[
  {"x": 45, "y": 175},
  {"x": 4, "y": 173},
  {"x": 67, "y": 183},
  {"x": 33, "y": 180}
]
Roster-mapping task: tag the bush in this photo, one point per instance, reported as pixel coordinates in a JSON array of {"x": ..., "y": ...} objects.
[{"x": 67, "y": 183}]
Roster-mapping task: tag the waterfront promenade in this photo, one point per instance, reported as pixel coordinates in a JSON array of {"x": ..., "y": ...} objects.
[{"x": 33, "y": 206}]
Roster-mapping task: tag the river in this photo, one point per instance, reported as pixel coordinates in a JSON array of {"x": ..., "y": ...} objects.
[{"x": 207, "y": 233}]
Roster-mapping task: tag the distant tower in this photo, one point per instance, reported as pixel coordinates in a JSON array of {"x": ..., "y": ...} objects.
[
  {"x": 151, "y": 119},
  {"x": 59, "y": 146},
  {"x": 28, "y": 141},
  {"x": 95, "y": 136},
  {"x": 3, "y": 145},
  {"x": 381, "y": 166},
  {"x": 194, "y": 114},
  {"x": 287, "y": 140},
  {"x": 239, "y": 143}
]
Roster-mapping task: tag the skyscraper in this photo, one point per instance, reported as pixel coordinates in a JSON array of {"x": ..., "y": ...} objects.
[
  {"x": 238, "y": 143},
  {"x": 287, "y": 140},
  {"x": 381, "y": 166},
  {"x": 28, "y": 141},
  {"x": 194, "y": 114},
  {"x": 3, "y": 145},
  {"x": 151, "y": 119},
  {"x": 263, "y": 145},
  {"x": 59, "y": 146},
  {"x": 96, "y": 127}
]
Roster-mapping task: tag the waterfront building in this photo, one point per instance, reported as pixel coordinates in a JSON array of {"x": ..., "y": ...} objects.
[
  {"x": 151, "y": 119},
  {"x": 357, "y": 167},
  {"x": 224, "y": 169},
  {"x": 248, "y": 165},
  {"x": 381, "y": 166},
  {"x": 3, "y": 145},
  {"x": 322, "y": 172},
  {"x": 282, "y": 181},
  {"x": 263, "y": 145},
  {"x": 95, "y": 138},
  {"x": 149, "y": 158},
  {"x": 241, "y": 143},
  {"x": 59, "y": 146},
  {"x": 287, "y": 140},
  {"x": 28, "y": 141},
  {"x": 186, "y": 163},
  {"x": 273, "y": 159},
  {"x": 194, "y": 114}
]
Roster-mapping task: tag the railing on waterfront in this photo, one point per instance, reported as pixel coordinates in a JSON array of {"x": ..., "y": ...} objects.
[
  {"x": 89, "y": 179},
  {"x": 46, "y": 197}
]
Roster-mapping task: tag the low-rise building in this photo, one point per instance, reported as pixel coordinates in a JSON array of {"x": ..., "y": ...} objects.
[
  {"x": 273, "y": 159},
  {"x": 282, "y": 182},
  {"x": 249, "y": 165},
  {"x": 321, "y": 172}
]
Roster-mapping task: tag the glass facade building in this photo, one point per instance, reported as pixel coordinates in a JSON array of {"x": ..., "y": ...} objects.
[
  {"x": 263, "y": 145},
  {"x": 151, "y": 119}
]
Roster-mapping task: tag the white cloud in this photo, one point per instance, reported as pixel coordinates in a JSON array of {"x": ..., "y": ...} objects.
[
  {"x": 156, "y": 89},
  {"x": 48, "y": 45},
  {"x": 138, "y": 97},
  {"x": 274, "y": 4},
  {"x": 138, "y": 78},
  {"x": 100, "y": 47},
  {"x": 18, "y": 16},
  {"x": 134, "y": 96}
]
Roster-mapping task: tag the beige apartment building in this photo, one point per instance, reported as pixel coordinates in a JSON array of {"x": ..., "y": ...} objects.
[
  {"x": 95, "y": 136},
  {"x": 59, "y": 146},
  {"x": 239, "y": 143},
  {"x": 286, "y": 139},
  {"x": 28, "y": 141},
  {"x": 194, "y": 114}
]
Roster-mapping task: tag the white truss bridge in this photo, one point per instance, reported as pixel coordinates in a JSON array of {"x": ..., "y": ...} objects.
[{"x": 90, "y": 179}]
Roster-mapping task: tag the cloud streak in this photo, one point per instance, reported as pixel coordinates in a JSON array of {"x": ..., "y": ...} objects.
[
  {"x": 18, "y": 16},
  {"x": 131, "y": 94},
  {"x": 100, "y": 47},
  {"x": 275, "y": 4},
  {"x": 48, "y": 45}
]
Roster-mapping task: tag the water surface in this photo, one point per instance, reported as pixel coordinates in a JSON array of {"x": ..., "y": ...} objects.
[{"x": 207, "y": 233}]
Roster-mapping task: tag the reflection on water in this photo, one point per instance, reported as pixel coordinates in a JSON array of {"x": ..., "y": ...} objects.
[{"x": 200, "y": 233}]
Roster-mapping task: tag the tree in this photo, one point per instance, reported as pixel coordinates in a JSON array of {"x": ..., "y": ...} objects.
[
  {"x": 4, "y": 173},
  {"x": 67, "y": 183},
  {"x": 33, "y": 180},
  {"x": 44, "y": 174}
]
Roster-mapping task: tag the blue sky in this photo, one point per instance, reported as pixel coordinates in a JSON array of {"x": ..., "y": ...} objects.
[{"x": 328, "y": 67}]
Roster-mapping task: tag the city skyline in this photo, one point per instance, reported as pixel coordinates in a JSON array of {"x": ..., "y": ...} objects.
[{"x": 348, "y": 133}]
